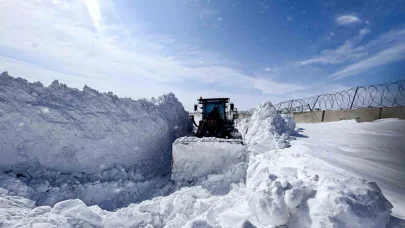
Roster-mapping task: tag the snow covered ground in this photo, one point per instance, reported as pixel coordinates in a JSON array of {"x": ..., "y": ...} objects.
[
  {"x": 287, "y": 183},
  {"x": 371, "y": 150}
]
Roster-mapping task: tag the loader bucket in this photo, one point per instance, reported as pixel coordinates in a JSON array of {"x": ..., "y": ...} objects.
[{"x": 195, "y": 158}]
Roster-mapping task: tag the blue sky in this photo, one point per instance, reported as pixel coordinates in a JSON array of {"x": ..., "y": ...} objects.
[{"x": 249, "y": 51}]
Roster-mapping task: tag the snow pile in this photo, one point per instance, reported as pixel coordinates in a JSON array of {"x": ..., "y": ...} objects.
[
  {"x": 59, "y": 143},
  {"x": 283, "y": 193},
  {"x": 309, "y": 203},
  {"x": 209, "y": 162},
  {"x": 288, "y": 196},
  {"x": 266, "y": 128},
  {"x": 86, "y": 131},
  {"x": 371, "y": 150},
  {"x": 356, "y": 203}
]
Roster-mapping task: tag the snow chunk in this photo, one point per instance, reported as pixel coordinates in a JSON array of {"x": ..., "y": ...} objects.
[
  {"x": 269, "y": 209},
  {"x": 78, "y": 211},
  {"x": 349, "y": 203}
]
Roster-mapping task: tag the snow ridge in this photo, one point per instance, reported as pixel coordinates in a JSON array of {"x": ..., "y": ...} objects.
[{"x": 86, "y": 131}]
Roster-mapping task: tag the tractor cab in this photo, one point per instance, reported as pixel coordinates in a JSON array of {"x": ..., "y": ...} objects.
[
  {"x": 217, "y": 117},
  {"x": 209, "y": 105}
]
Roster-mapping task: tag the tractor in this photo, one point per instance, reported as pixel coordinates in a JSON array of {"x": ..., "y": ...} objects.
[{"x": 218, "y": 117}]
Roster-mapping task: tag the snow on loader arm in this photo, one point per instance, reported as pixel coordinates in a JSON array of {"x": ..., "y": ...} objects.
[{"x": 217, "y": 149}]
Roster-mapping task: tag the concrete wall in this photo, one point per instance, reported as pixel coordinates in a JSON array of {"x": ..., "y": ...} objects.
[
  {"x": 360, "y": 115},
  {"x": 308, "y": 117},
  {"x": 397, "y": 112}
]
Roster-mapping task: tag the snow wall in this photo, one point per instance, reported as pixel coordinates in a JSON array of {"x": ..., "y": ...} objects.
[{"x": 86, "y": 131}]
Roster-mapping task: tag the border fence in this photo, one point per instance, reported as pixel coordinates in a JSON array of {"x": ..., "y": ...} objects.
[{"x": 391, "y": 94}]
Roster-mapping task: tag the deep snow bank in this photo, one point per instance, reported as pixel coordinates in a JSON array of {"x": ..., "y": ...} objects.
[{"x": 86, "y": 131}]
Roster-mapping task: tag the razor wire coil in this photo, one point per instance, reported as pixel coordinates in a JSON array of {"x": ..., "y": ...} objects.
[{"x": 390, "y": 94}]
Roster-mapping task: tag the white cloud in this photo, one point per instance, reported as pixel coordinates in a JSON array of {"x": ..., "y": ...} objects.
[
  {"x": 269, "y": 86},
  {"x": 387, "y": 48},
  {"x": 72, "y": 41},
  {"x": 347, "y": 20},
  {"x": 364, "y": 32},
  {"x": 344, "y": 53},
  {"x": 341, "y": 54},
  {"x": 66, "y": 39},
  {"x": 386, "y": 56},
  {"x": 271, "y": 69},
  {"x": 351, "y": 51},
  {"x": 93, "y": 7}
]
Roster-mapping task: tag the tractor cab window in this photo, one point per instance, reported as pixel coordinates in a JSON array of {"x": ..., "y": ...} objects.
[{"x": 209, "y": 107}]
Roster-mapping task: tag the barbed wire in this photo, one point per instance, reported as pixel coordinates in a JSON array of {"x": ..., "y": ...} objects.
[{"x": 390, "y": 94}]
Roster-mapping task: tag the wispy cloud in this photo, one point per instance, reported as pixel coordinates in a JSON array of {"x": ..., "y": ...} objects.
[
  {"x": 344, "y": 53},
  {"x": 381, "y": 58},
  {"x": 347, "y": 20},
  {"x": 73, "y": 41},
  {"x": 386, "y": 49},
  {"x": 271, "y": 69},
  {"x": 65, "y": 36},
  {"x": 364, "y": 32},
  {"x": 269, "y": 86}
]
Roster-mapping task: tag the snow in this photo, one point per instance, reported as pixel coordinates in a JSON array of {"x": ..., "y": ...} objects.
[
  {"x": 289, "y": 176},
  {"x": 210, "y": 162},
  {"x": 86, "y": 131},
  {"x": 372, "y": 150},
  {"x": 59, "y": 143},
  {"x": 266, "y": 129}
]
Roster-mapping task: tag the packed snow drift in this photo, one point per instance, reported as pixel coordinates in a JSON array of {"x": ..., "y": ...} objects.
[
  {"x": 284, "y": 185},
  {"x": 86, "y": 131},
  {"x": 59, "y": 143},
  {"x": 372, "y": 150}
]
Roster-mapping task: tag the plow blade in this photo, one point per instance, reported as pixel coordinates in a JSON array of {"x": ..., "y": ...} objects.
[{"x": 194, "y": 158}]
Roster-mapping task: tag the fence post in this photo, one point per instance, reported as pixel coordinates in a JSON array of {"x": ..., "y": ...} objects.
[
  {"x": 355, "y": 93},
  {"x": 292, "y": 101},
  {"x": 313, "y": 107},
  {"x": 323, "y": 115}
]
